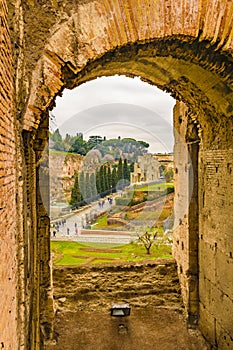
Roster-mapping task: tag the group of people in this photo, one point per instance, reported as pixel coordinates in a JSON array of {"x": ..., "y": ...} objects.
[
  {"x": 60, "y": 225},
  {"x": 102, "y": 202},
  {"x": 56, "y": 226}
]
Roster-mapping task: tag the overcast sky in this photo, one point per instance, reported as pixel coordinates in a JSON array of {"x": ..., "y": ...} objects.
[{"x": 117, "y": 106}]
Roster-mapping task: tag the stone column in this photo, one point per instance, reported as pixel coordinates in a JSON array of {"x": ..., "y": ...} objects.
[{"x": 185, "y": 236}]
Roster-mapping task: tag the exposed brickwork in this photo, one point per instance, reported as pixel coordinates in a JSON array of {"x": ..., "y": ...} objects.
[
  {"x": 203, "y": 234},
  {"x": 215, "y": 247},
  {"x": 185, "y": 237},
  {"x": 61, "y": 170},
  {"x": 184, "y": 47},
  {"x": 8, "y": 264},
  {"x": 118, "y": 23}
]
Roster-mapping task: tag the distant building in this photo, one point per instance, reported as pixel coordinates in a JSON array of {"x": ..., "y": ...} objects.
[
  {"x": 165, "y": 160},
  {"x": 146, "y": 169},
  {"x": 150, "y": 167}
]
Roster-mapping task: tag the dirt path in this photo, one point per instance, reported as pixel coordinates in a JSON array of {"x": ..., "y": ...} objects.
[{"x": 144, "y": 329}]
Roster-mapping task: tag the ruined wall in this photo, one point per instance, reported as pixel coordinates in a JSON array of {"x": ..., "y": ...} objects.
[
  {"x": 62, "y": 167},
  {"x": 146, "y": 169},
  {"x": 203, "y": 228},
  {"x": 95, "y": 288},
  {"x": 215, "y": 245},
  {"x": 8, "y": 234},
  {"x": 185, "y": 235}
]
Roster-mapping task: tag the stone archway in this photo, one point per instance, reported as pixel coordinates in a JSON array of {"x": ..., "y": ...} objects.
[{"x": 182, "y": 47}]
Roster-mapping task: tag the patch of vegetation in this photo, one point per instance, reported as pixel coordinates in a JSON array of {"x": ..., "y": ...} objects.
[
  {"x": 70, "y": 253},
  {"x": 101, "y": 224},
  {"x": 68, "y": 260},
  {"x": 155, "y": 187},
  {"x": 145, "y": 193},
  {"x": 111, "y": 147},
  {"x": 101, "y": 261}
]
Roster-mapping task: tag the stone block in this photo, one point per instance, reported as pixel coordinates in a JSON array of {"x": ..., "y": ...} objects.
[
  {"x": 224, "y": 339},
  {"x": 222, "y": 309},
  {"x": 224, "y": 273},
  {"x": 207, "y": 324},
  {"x": 205, "y": 292},
  {"x": 207, "y": 263}
]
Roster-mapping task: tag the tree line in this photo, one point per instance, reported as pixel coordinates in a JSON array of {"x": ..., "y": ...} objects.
[
  {"x": 104, "y": 181},
  {"x": 114, "y": 147}
]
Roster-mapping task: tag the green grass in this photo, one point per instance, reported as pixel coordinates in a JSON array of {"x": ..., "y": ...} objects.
[
  {"x": 101, "y": 261},
  {"x": 64, "y": 152},
  {"x": 70, "y": 253},
  {"x": 68, "y": 260},
  {"x": 155, "y": 187},
  {"x": 100, "y": 222}
]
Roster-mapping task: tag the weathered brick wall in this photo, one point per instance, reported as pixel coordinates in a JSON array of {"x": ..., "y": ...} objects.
[
  {"x": 119, "y": 24},
  {"x": 185, "y": 236},
  {"x": 8, "y": 251},
  {"x": 215, "y": 246},
  {"x": 206, "y": 225}
]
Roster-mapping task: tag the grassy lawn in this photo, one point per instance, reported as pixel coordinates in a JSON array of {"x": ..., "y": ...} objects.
[
  {"x": 155, "y": 187},
  {"x": 101, "y": 224},
  {"x": 74, "y": 253},
  {"x": 153, "y": 215}
]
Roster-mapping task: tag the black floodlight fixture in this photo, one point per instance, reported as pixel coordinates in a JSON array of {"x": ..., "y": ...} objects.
[{"x": 120, "y": 310}]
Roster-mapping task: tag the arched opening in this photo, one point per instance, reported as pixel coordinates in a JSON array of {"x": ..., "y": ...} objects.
[
  {"x": 198, "y": 74},
  {"x": 186, "y": 191},
  {"x": 141, "y": 137},
  {"x": 133, "y": 114},
  {"x": 104, "y": 290}
]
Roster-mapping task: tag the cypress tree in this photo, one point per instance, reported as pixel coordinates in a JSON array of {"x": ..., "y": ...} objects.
[
  {"x": 120, "y": 170},
  {"x": 126, "y": 173},
  {"x": 102, "y": 179},
  {"x": 131, "y": 167},
  {"x": 105, "y": 179},
  {"x": 109, "y": 175},
  {"x": 88, "y": 187},
  {"x": 98, "y": 182},
  {"x": 76, "y": 195},
  {"x": 93, "y": 186},
  {"x": 114, "y": 179},
  {"x": 82, "y": 185}
]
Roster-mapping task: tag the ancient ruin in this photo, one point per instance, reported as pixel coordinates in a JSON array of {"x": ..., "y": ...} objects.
[
  {"x": 145, "y": 170},
  {"x": 183, "y": 47}
]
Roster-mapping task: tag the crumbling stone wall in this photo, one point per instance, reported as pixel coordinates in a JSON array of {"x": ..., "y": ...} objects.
[
  {"x": 215, "y": 245},
  {"x": 62, "y": 167},
  {"x": 8, "y": 235},
  {"x": 184, "y": 48},
  {"x": 203, "y": 228},
  {"x": 185, "y": 234},
  {"x": 87, "y": 288}
]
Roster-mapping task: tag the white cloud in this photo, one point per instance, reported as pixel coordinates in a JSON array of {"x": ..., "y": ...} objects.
[{"x": 118, "y": 106}]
